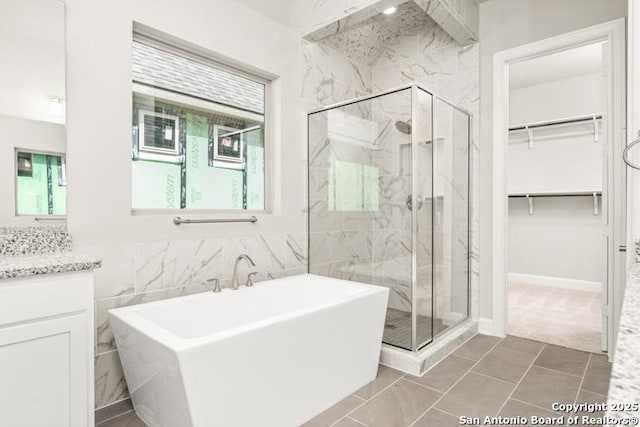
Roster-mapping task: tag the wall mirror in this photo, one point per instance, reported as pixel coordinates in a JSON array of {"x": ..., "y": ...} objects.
[{"x": 32, "y": 112}]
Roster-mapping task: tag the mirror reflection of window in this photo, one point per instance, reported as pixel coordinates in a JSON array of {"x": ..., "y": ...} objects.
[{"x": 41, "y": 187}]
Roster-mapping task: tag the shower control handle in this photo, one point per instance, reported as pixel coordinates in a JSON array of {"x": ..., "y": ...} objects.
[{"x": 410, "y": 202}]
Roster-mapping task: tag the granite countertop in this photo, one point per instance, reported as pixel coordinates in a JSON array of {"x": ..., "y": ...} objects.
[
  {"x": 60, "y": 262},
  {"x": 625, "y": 375}
]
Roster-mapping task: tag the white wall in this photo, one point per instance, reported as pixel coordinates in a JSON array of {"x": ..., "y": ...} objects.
[
  {"x": 99, "y": 111},
  {"x": 29, "y": 135},
  {"x": 562, "y": 239},
  {"x": 505, "y": 24},
  {"x": 146, "y": 257},
  {"x": 576, "y": 96}
]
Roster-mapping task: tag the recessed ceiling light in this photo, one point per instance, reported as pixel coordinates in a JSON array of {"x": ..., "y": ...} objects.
[{"x": 389, "y": 11}]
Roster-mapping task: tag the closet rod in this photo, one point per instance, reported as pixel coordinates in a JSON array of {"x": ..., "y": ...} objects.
[
  {"x": 556, "y": 122},
  {"x": 525, "y": 195}
]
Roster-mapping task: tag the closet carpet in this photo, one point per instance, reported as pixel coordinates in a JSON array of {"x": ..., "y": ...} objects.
[{"x": 565, "y": 317}]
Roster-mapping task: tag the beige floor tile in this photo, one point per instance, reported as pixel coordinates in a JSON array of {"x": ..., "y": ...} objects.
[
  {"x": 442, "y": 376},
  {"x": 521, "y": 344},
  {"x": 504, "y": 364},
  {"x": 475, "y": 396},
  {"x": 515, "y": 408},
  {"x": 588, "y": 397},
  {"x": 334, "y": 413},
  {"x": 596, "y": 379},
  {"x": 397, "y": 406},
  {"x": 477, "y": 347},
  {"x": 385, "y": 377},
  {"x": 436, "y": 418},
  {"x": 567, "y": 360},
  {"x": 542, "y": 387},
  {"x": 347, "y": 422},
  {"x": 603, "y": 358}
]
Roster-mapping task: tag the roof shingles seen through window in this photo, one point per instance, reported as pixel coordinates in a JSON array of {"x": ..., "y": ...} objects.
[{"x": 159, "y": 68}]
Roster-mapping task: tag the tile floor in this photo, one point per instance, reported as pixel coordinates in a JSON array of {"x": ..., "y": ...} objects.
[
  {"x": 487, "y": 376},
  {"x": 566, "y": 317}
]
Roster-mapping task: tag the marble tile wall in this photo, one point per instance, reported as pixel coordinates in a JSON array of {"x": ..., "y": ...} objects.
[
  {"x": 426, "y": 54},
  {"x": 144, "y": 272}
]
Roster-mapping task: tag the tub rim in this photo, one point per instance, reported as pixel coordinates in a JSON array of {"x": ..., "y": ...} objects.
[{"x": 130, "y": 316}]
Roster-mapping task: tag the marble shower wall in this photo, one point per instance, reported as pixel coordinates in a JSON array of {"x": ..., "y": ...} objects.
[
  {"x": 143, "y": 272},
  {"x": 430, "y": 56}
]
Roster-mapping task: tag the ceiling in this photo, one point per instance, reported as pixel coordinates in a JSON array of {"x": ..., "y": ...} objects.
[
  {"x": 367, "y": 41},
  {"x": 562, "y": 65},
  {"x": 290, "y": 13}
]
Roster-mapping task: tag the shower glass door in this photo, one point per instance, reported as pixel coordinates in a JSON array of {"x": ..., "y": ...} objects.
[
  {"x": 422, "y": 209},
  {"x": 450, "y": 216},
  {"x": 360, "y": 178},
  {"x": 392, "y": 236}
]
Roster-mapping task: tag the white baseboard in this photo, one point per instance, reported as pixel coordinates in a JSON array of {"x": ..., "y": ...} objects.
[
  {"x": 487, "y": 326},
  {"x": 555, "y": 282}
]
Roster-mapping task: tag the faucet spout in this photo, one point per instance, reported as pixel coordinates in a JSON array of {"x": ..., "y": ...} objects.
[{"x": 245, "y": 257}]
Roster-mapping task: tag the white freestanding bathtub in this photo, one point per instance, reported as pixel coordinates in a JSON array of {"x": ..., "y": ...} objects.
[{"x": 275, "y": 354}]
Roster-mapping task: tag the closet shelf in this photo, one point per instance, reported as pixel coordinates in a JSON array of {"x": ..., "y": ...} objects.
[{"x": 531, "y": 196}]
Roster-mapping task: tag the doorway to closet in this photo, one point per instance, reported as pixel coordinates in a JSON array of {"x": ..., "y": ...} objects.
[
  {"x": 560, "y": 172},
  {"x": 556, "y": 249}
]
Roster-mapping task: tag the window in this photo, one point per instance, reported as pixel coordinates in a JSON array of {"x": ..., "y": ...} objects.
[
  {"x": 41, "y": 184},
  {"x": 158, "y": 133},
  {"x": 198, "y": 132}
]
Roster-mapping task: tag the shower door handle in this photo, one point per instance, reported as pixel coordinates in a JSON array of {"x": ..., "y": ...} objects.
[{"x": 410, "y": 202}]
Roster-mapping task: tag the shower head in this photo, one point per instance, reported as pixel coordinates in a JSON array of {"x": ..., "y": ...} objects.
[{"x": 404, "y": 127}]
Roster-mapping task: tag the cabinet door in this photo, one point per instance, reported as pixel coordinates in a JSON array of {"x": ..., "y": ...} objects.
[{"x": 43, "y": 372}]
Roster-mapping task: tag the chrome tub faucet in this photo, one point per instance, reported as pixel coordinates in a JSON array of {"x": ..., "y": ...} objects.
[{"x": 234, "y": 280}]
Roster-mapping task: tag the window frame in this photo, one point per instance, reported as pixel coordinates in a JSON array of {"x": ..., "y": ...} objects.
[
  {"x": 157, "y": 150},
  {"x": 206, "y": 57}
]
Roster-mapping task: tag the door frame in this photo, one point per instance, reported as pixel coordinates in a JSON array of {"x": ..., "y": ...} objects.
[{"x": 614, "y": 33}]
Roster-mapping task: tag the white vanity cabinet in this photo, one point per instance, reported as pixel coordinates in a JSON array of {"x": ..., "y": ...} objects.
[{"x": 46, "y": 350}]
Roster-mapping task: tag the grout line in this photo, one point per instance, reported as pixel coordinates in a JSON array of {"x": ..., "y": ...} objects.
[
  {"x": 520, "y": 351},
  {"x": 456, "y": 383},
  {"x": 461, "y": 357},
  {"x": 115, "y": 417},
  {"x": 558, "y": 372},
  {"x": 520, "y": 380},
  {"x": 354, "y": 420},
  {"x": 444, "y": 412},
  {"x": 532, "y": 404},
  {"x": 113, "y": 403},
  {"x": 373, "y": 396},
  {"x": 489, "y": 376},
  {"x": 584, "y": 374},
  {"x": 425, "y": 386}
]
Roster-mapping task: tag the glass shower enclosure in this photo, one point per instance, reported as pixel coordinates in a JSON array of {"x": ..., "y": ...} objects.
[{"x": 388, "y": 204}]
